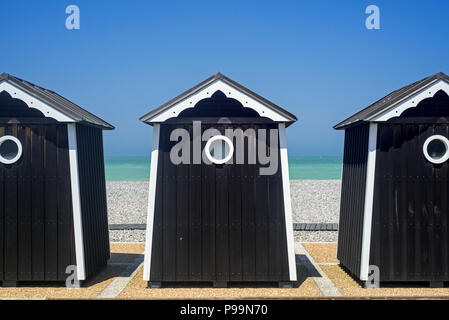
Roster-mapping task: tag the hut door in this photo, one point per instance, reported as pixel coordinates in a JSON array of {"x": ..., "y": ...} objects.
[{"x": 217, "y": 222}]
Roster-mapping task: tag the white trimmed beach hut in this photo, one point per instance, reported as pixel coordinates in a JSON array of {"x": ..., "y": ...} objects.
[
  {"x": 221, "y": 213},
  {"x": 394, "y": 203},
  {"x": 52, "y": 186}
]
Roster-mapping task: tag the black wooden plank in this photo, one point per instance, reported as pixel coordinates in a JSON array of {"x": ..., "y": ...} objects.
[
  {"x": 51, "y": 205},
  {"x": 10, "y": 218},
  {"x": 426, "y": 204},
  {"x": 38, "y": 203},
  {"x": 2, "y": 213},
  {"x": 248, "y": 218},
  {"x": 183, "y": 233},
  {"x": 235, "y": 221},
  {"x": 24, "y": 205},
  {"x": 275, "y": 222},
  {"x": 208, "y": 220},
  {"x": 261, "y": 217},
  {"x": 417, "y": 206},
  {"x": 65, "y": 233},
  {"x": 222, "y": 224},
  {"x": 194, "y": 222},
  {"x": 409, "y": 201},
  {"x": 353, "y": 197},
  {"x": 169, "y": 213}
]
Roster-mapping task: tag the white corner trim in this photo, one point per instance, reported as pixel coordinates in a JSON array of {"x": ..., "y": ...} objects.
[
  {"x": 229, "y": 91},
  {"x": 369, "y": 200},
  {"x": 413, "y": 100},
  {"x": 32, "y": 102},
  {"x": 76, "y": 201},
  {"x": 151, "y": 202},
  {"x": 287, "y": 202}
]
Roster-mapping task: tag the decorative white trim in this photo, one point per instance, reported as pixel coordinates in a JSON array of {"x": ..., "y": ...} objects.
[
  {"x": 19, "y": 149},
  {"x": 413, "y": 100},
  {"x": 287, "y": 202},
  {"x": 212, "y": 140},
  {"x": 32, "y": 102},
  {"x": 229, "y": 91},
  {"x": 369, "y": 195},
  {"x": 151, "y": 202},
  {"x": 76, "y": 201},
  {"x": 443, "y": 158}
]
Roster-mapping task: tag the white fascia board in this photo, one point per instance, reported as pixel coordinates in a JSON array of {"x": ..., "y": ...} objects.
[
  {"x": 33, "y": 102},
  {"x": 229, "y": 91},
  {"x": 412, "y": 101},
  {"x": 151, "y": 202}
]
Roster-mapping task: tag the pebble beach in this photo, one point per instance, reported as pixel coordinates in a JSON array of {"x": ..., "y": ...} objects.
[{"x": 313, "y": 201}]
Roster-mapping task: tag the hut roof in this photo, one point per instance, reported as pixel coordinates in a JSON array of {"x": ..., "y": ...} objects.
[
  {"x": 56, "y": 101},
  {"x": 391, "y": 100},
  {"x": 283, "y": 115}
]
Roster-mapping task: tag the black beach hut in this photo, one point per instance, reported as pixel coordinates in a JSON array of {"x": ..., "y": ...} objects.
[
  {"x": 394, "y": 202},
  {"x": 52, "y": 186},
  {"x": 219, "y": 201}
]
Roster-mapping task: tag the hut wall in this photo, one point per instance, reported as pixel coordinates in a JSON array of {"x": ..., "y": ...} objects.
[
  {"x": 36, "y": 222},
  {"x": 93, "y": 197},
  {"x": 217, "y": 222},
  {"x": 350, "y": 234},
  {"x": 410, "y": 239}
]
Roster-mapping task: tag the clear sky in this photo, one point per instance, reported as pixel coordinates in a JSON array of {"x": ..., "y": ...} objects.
[{"x": 313, "y": 58}]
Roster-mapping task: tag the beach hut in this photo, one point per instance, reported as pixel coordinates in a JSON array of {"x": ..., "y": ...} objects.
[
  {"x": 52, "y": 186},
  {"x": 395, "y": 193},
  {"x": 219, "y": 206}
]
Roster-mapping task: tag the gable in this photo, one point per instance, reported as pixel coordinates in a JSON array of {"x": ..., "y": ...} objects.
[
  {"x": 48, "y": 102},
  {"x": 207, "y": 89},
  {"x": 393, "y": 104},
  {"x": 32, "y": 102},
  {"x": 413, "y": 100}
]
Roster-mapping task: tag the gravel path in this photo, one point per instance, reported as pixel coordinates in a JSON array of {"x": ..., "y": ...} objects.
[{"x": 313, "y": 201}]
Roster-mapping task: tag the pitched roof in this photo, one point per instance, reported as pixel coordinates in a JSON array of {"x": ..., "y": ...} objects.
[
  {"x": 390, "y": 100},
  {"x": 218, "y": 76},
  {"x": 57, "y": 102}
]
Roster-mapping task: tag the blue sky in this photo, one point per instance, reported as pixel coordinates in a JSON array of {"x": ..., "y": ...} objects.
[{"x": 314, "y": 58}]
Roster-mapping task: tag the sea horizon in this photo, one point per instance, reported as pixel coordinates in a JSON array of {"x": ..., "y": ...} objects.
[{"x": 137, "y": 168}]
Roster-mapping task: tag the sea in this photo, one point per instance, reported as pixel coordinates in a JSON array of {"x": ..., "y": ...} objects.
[{"x": 300, "y": 168}]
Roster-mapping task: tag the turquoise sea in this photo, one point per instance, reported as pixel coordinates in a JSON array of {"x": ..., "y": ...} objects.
[{"x": 302, "y": 168}]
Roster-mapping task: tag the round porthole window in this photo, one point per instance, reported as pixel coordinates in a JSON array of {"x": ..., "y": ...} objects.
[
  {"x": 436, "y": 149},
  {"x": 219, "y": 149},
  {"x": 10, "y": 149}
]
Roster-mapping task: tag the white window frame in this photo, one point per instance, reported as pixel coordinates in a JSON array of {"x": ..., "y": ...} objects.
[
  {"x": 212, "y": 140},
  {"x": 19, "y": 149},
  {"x": 444, "y": 140}
]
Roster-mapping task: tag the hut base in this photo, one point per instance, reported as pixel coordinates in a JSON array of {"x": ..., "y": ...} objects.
[
  {"x": 436, "y": 284},
  {"x": 285, "y": 285},
  {"x": 9, "y": 284},
  {"x": 220, "y": 284},
  {"x": 154, "y": 284}
]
